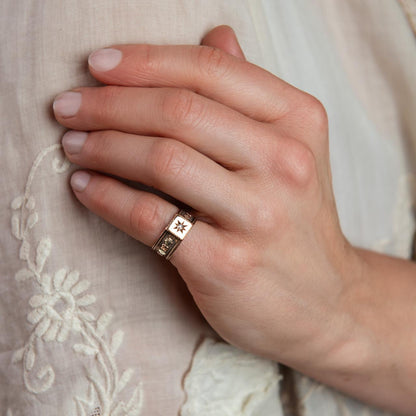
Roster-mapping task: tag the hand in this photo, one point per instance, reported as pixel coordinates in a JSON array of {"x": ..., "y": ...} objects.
[{"x": 267, "y": 263}]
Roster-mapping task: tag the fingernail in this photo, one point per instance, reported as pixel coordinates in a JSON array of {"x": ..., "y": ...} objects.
[
  {"x": 67, "y": 104},
  {"x": 72, "y": 141},
  {"x": 105, "y": 59},
  {"x": 79, "y": 180}
]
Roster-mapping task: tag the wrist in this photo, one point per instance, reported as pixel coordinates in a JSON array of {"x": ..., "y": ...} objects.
[
  {"x": 372, "y": 357},
  {"x": 347, "y": 343},
  {"x": 351, "y": 344},
  {"x": 334, "y": 342}
]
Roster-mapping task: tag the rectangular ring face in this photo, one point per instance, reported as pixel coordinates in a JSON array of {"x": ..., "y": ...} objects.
[{"x": 180, "y": 226}]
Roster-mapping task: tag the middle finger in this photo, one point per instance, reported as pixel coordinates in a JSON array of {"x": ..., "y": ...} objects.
[{"x": 213, "y": 129}]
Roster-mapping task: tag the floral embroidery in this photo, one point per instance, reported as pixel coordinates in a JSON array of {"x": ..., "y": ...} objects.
[{"x": 59, "y": 308}]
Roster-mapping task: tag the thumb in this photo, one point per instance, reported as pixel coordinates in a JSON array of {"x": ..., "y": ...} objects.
[{"x": 223, "y": 37}]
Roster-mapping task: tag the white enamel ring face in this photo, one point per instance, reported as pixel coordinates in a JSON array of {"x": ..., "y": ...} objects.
[{"x": 179, "y": 227}]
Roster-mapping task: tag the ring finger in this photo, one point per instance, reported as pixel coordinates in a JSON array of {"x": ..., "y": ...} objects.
[
  {"x": 166, "y": 164},
  {"x": 142, "y": 215}
]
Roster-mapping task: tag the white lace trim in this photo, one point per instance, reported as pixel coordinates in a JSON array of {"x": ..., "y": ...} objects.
[
  {"x": 224, "y": 380},
  {"x": 333, "y": 402},
  {"x": 403, "y": 220},
  {"x": 64, "y": 286}
]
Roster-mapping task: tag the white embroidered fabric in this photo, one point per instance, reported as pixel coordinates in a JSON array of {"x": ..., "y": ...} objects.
[
  {"x": 93, "y": 323},
  {"x": 91, "y": 319}
]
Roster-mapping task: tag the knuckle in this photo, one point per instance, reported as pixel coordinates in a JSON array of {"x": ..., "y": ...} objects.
[
  {"x": 236, "y": 263},
  {"x": 213, "y": 62},
  {"x": 288, "y": 158},
  {"x": 300, "y": 163},
  {"x": 181, "y": 107},
  {"x": 167, "y": 158},
  {"x": 99, "y": 196},
  {"x": 97, "y": 149},
  {"x": 259, "y": 218},
  {"x": 107, "y": 104},
  {"x": 148, "y": 61},
  {"x": 146, "y": 217},
  {"x": 314, "y": 114}
]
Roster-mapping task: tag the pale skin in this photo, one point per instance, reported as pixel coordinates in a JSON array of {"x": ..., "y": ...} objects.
[{"x": 267, "y": 262}]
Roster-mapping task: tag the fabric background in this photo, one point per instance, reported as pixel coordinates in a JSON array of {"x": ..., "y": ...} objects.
[{"x": 357, "y": 59}]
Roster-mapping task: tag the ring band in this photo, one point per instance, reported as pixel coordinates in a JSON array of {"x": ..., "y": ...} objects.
[{"x": 173, "y": 234}]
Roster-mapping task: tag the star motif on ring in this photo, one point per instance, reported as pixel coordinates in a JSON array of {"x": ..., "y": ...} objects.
[{"x": 180, "y": 226}]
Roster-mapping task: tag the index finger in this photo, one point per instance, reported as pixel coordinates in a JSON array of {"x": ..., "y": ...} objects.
[{"x": 208, "y": 71}]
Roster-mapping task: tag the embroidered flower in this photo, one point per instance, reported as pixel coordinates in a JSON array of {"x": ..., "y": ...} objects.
[{"x": 57, "y": 310}]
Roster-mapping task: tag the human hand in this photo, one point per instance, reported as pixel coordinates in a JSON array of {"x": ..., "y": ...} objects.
[{"x": 267, "y": 263}]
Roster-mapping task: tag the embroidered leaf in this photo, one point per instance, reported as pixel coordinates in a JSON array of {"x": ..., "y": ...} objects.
[
  {"x": 86, "y": 404},
  {"x": 135, "y": 404},
  {"x": 116, "y": 341},
  {"x": 103, "y": 322},
  {"x": 35, "y": 315},
  {"x": 70, "y": 280},
  {"x": 81, "y": 287},
  {"x": 81, "y": 411},
  {"x": 53, "y": 314},
  {"x": 42, "y": 252},
  {"x": 119, "y": 410},
  {"x": 60, "y": 166},
  {"x": 124, "y": 379},
  {"x": 51, "y": 333},
  {"x": 84, "y": 349},
  {"x": 59, "y": 278},
  {"x": 18, "y": 355},
  {"x": 23, "y": 274},
  {"x": 24, "y": 250},
  {"x": 46, "y": 283},
  {"x": 17, "y": 202},
  {"x": 32, "y": 220},
  {"x": 87, "y": 316},
  {"x": 101, "y": 393},
  {"x": 76, "y": 325},
  {"x": 86, "y": 300},
  {"x": 37, "y": 300},
  {"x": 48, "y": 375},
  {"x": 43, "y": 326},
  {"x": 16, "y": 226},
  {"x": 30, "y": 358},
  {"x": 30, "y": 204},
  {"x": 63, "y": 333}
]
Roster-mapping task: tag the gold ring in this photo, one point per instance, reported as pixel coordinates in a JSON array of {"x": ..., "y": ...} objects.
[{"x": 173, "y": 234}]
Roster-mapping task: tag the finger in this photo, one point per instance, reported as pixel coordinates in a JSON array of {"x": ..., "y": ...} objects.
[
  {"x": 209, "y": 71},
  {"x": 165, "y": 164},
  {"x": 213, "y": 129},
  {"x": 140, "y": 214},
  {"x": 223, "y": 37}
]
